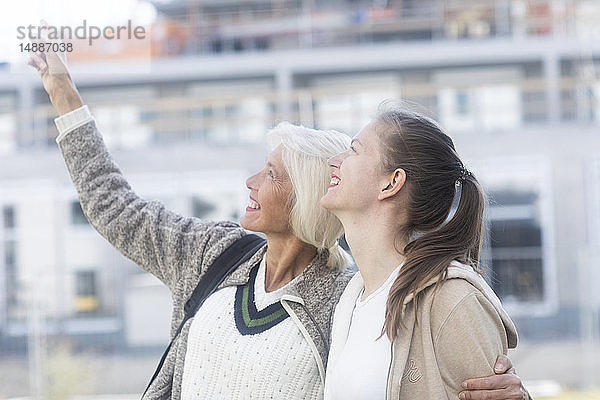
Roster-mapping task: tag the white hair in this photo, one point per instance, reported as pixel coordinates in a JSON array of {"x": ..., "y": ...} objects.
[{"x": 305, "y": 154}]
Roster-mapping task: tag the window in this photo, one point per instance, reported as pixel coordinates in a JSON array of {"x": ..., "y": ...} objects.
[
  {"x": 77, "y": 215},
  {"x": 8, "y": 215},
  {"x": 201, "y": 208},
  {"x": 515, "y": 245},
  {"x": 592, "y": 270},
  {"x": 10, "y": 263},
  {"x": 86, "y": 292},
  {"x": 125, "y": 125},
  {"x": 462, "y": 102},
  {"x": 517, "y": 258},
  {"x": 10, "y": 253},
  {"x": 595, "y": 100},
  {"x": 8, "y": 123},
  {"x": 236, "y": 111},
  {"x": 473, "y": 99},
  {"x": 347, "y": 102},
  {"x": 519, "y": 250}
]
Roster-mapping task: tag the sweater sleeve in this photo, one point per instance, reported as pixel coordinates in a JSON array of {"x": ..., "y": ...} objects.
[
  {"x": 468, "y": 341},
  {"x": 160, "y": 241}
]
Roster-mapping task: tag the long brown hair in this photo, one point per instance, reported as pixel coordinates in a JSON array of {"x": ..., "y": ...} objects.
[{"x": 434, "y": 172}]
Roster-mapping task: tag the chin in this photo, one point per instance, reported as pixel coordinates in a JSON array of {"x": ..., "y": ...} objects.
[
  {"x": 245, "y": 223},
  {"x": 250, "y": 225},
  {"x": 327, "y": 202}
]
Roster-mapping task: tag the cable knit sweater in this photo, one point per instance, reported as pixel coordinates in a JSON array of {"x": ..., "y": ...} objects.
[
  {"x": 274, "y": 364},
  {"x": 178, "y": 250}
]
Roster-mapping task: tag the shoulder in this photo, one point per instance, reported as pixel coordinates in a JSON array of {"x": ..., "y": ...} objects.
[
  {"x": 449, "y": 294},
  {"x": 203, "y": 241},
  {"x": 461, "y": 284},
  {"x": 219, "y": 236},
  {"x": 345, "y": 275},
  {"x": 456, "y": 302},
  {"x": 321, "y": 286},
  {"x": 228, "y": 230},
  {"x": 322, "y": 281},
  {"x": 222, "y": 232}
]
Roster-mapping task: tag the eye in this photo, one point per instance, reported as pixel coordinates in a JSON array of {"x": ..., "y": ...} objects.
[
  {"x": 271, "y": 174},
  {"x": 352, "y": 148}
]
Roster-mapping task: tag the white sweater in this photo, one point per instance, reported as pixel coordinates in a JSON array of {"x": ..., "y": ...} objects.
[{"x": 221, "y": 363}]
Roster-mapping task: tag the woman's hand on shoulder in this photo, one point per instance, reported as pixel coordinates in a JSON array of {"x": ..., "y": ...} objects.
[
  {"x": 56, "y": 78},
  {"x": 505, "y": 385}
]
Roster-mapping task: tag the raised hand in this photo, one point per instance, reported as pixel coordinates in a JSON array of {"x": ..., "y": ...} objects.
[{"x": 56, "y": 78}]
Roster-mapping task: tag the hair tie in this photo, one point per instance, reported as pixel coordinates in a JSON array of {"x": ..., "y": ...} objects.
[
  {"x": 465, "y": 174},
  {"x": 333, "y": 247}
]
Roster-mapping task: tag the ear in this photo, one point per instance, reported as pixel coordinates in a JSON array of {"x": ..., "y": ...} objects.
[{"x": 395, "y": 182}]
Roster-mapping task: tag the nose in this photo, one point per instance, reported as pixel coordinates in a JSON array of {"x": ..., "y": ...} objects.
[
  {"x": 251, "y": 181},
  {"x": 336, "y": 160}
]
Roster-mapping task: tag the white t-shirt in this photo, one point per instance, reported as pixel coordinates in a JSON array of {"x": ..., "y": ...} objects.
[{"x": 362, "y": 368}]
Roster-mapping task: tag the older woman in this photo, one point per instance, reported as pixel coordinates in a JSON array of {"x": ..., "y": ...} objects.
[{"x": 265, "y": 332}]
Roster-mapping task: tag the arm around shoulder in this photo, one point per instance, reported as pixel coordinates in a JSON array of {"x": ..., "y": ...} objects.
[{"x": 469, "y": 338}]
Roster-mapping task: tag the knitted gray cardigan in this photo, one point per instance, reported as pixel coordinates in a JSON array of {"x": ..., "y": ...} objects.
[{"x": 178, "y": 250}]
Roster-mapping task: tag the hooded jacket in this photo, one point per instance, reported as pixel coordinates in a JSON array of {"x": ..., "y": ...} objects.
[{"x": 461, "y": 329}]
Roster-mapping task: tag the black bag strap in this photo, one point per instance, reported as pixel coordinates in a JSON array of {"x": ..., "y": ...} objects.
[{"x": 236, "y": 254}]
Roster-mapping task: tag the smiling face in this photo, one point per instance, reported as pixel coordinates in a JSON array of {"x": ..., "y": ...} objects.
[
  {"x": 270, "y": 191},
  {"x": 357, "y": 177}
]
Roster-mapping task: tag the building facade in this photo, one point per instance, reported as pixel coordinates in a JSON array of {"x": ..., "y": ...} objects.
[{"x": 515, "y": 83}]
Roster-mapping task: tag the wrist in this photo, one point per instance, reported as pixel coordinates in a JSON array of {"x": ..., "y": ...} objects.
[{"x": 66, "y": 98}]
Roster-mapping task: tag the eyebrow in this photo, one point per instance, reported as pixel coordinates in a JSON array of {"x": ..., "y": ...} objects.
[{"x": 271, "y": 165}]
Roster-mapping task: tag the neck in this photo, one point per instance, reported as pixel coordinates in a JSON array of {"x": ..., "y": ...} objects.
[
  {"x": 286, "y": 258},
  {"x": 371, "y": 239}
]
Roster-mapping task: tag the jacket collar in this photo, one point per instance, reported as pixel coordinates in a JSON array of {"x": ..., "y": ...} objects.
[
  {"x": 457, "y": 270},
  {"x": 242, "y": 274},
  {"x": 341, "y": 321},
  {"x": 311, "y": 285}
]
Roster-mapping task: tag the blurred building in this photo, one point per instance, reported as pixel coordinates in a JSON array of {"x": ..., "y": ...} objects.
[{"x": 515, "y": 83}]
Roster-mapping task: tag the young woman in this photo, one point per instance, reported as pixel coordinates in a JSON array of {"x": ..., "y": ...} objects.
[{"x": 418, "y": 318}]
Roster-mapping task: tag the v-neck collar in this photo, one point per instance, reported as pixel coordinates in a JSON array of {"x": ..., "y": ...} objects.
[{"x": 249, "y": 320}]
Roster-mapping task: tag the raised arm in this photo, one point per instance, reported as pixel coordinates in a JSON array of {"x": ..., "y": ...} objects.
[{"x": 162, "y": 242}]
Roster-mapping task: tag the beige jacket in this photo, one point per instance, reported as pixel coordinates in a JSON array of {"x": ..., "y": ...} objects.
[{"x": 460, "y": 332}]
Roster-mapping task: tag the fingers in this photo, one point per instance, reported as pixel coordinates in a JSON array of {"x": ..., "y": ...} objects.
[
  {"x": 484, "y": 395},
  {"x": 53, "y": 56},
  {"x": 505, "y": 386},
  {"x": 37, "y": 62},
  {"x": 492, "y": 382},
  {"x": 503, "y": 364},
  {"x": 500, "y": 394}
]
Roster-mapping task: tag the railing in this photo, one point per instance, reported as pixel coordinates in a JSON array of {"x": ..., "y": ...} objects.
[{"x": 244, "y": 118}]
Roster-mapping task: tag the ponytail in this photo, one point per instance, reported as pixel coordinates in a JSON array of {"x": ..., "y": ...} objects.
[
  {"x": 338, "y": 257},
  {"x": 435, "y": 175}
]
